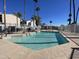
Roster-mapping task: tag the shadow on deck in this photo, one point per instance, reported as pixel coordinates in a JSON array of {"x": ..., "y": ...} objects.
[{"x": 74, "y": 53}]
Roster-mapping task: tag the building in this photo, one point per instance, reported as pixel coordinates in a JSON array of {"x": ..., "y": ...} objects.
[
  {"x": 25, "y": 24},
  {"x": 31, "y": 23},
  {"x": 12, "y": 22}
]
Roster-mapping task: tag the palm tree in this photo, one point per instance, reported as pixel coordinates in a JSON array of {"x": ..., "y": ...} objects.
[
  {"x": 74, "y": 21},
  {"x": 36, "y": 16},
  {"x": 5, "y": 17},
  {"x": 69, "y": 20},
  {"x": 50, "y": 22},
  {"x": 23, "y": 22},
  {"x": 24, "y": 9},
  {"x": 38, "y": 22},
  {"x": 37, "y": 19},
  {"x": 37, "y": 10},
  {"x": 70, "y": 14},
  {"x": 18, "y": 14},
  {"x": 5, "y": 13},
  {"x": 77, "y": 14}
]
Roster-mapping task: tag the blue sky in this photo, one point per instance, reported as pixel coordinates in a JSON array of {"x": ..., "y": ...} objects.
[{"x": 55, "y": 10}]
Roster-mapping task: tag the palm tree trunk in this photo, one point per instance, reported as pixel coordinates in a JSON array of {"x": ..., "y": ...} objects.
[
  {"x": 24, "y": 9},
  {"x": 77, "y": 14},
  {"x": 70, "y": 15},
  {"x": 38, "y": 13},
  {"x": 24, "y": 14},
  {"x": 74, "y": 21},
  {"x": 5, "y": 18},
  {"x": 4, "y": 14},
  {"x": 70, "y": 6}
]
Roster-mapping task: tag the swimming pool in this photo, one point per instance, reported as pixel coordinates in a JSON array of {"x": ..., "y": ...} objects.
[{"x": 40, "y": 40}]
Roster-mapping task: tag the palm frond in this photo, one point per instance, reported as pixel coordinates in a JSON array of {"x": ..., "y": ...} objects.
[
  {"x": 35, "y": 1},
  {"x": 37, "y": 8}
]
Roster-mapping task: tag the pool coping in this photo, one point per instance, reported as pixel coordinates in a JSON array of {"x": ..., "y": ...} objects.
[
  {"x": 70, "y": 40},
  {"x": 31, "y": 33}
]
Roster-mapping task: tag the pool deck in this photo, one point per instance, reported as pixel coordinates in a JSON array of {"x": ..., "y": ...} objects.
[
  {"x": 73, "y": 36},
  {"x": 10, "y": 50}
]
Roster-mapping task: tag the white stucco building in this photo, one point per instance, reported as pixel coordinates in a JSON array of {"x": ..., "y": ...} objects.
[
  {"x": 14, "y": 22},
  {"x": 31, "y": 23},
  {"x": 11, "y": 21}
]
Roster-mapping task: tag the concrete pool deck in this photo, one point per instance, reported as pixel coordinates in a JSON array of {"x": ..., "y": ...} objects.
[
  {"x": 72, "y": 36},
  {"x": 10, "y": 50}
]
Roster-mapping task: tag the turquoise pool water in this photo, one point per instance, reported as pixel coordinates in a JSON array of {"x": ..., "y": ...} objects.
[{"x": 40, "y": 40}]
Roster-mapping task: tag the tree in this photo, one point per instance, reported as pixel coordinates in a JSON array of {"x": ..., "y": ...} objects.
[
  {"x": 50, "y": 22},
  {"x": 36, "y": 16},
  {"x": 23, "y": 22},
  {"x": 38, "y": 22},
  {"x": 69, "y": 20},
  {"x": 77, "y": 14},
  {"x": 18, "y": 14},
  {"x": 74, "y": 21},
  {"x": 70, "y": 14},
  {"x": 24, "y": 9},
  {"x": 5, "y": 18},
  {"x": 37, "y": 19},
  {"x": 37, "y": 10},
  {"x": 33, "y": 19}
]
